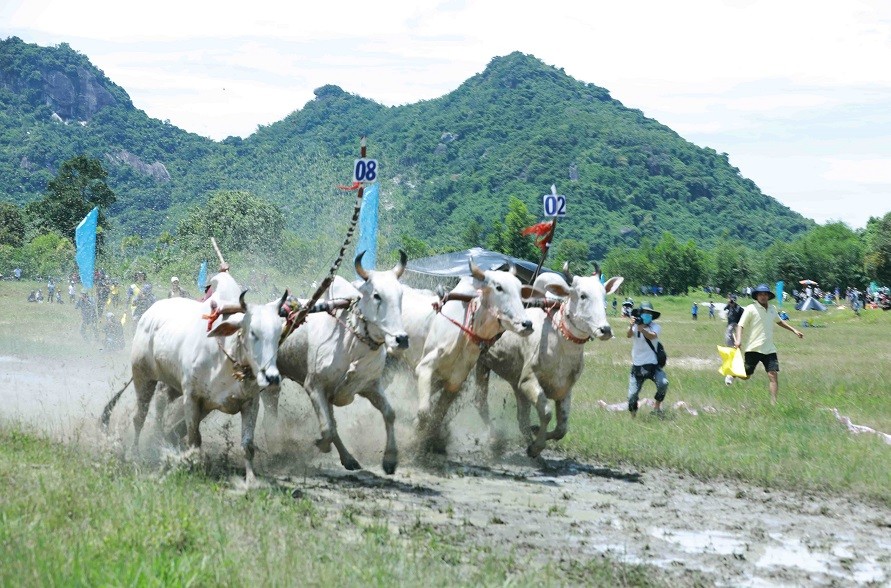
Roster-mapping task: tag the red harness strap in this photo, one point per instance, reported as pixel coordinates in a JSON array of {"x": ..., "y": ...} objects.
[
  {"x": 468, "y": 319},
  {"x": 214, "y": 315}
]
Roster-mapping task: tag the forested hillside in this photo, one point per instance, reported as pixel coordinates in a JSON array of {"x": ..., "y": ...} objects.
[{"x": 449, "y": 166}]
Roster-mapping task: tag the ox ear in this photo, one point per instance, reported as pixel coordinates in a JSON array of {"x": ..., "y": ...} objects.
[
  {"x": 227, "y": 327},
  {"x": 527, "y": 291},
  {"x": 613, "y": 284},
  {"x": 558, "y": 289},
  {"x": 400, "y": 267}
]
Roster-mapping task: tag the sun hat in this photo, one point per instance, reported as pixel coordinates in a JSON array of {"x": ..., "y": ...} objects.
[
  {"x": 174, "y": 279},
  {"x": 763, "y": 288},
  {"x": 646, "y": 307}
]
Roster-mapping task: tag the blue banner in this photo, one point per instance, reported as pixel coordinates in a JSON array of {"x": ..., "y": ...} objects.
[
  {"x": 202, "y": 278},
  {"x": 780, "y": 293},
  {"x": 368, "y": 228},
  {"x": 85, "y": 243}
]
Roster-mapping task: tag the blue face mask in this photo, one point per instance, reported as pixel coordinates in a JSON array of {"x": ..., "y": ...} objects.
[{"x": 646, "y": 317}]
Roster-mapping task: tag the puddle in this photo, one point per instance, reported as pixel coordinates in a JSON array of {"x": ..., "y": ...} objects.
[{"x": 717, "y": 542}]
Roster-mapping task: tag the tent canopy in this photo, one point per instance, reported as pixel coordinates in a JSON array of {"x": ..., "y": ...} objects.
[
  {"x": 456, "y": 265},
  {"x": 810, "y": 303}
]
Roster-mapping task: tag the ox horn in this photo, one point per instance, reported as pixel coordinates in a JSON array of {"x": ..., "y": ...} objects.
[
  {"x": 567, "y": 275},
  {"x": 282, "y": 310},
  {"x": 400, "y": 267},
  {"x": 596, "y": 269},
  {"x": 475, "y": 270},
  {"x": 234, "y": 308},
  {"x": 512, "y": 268},
  {"x": 359, "y": 269}
]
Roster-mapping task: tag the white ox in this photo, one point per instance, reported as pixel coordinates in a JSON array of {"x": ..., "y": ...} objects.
[
  {"x": 222, "y": 369},
  {"x": 336, "y": 357},
  {"x": 548, "y": 364},
  {"x": 451, "y": 351}
]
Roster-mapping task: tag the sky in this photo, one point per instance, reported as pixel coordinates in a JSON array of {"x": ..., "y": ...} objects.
[{"x": 796, "y": 92}]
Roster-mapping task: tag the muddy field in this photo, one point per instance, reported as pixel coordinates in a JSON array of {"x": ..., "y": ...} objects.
[{"x": 721, "y": 532}]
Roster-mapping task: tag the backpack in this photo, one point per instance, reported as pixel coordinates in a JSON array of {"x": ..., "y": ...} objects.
[{"x": 659, "y": 350}]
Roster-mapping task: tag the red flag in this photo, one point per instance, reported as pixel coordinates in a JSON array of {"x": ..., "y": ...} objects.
[
  {"x": 543, "y": 230},
  {"x": 354, "y": 186}
]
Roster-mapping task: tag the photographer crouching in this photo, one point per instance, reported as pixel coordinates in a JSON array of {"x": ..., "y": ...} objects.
[{"x": 644, "y": 363}]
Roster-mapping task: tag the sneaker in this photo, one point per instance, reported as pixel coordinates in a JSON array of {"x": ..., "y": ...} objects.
[
  {"x": 728, "y": 380},
  {"x": 658, "y": 413}
]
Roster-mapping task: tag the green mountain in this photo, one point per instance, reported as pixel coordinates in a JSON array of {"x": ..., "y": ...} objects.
[{"x": 446, "y": 164}]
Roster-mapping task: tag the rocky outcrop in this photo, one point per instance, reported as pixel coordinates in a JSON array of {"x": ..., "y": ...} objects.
[
  {"x": 155, "y": 170},
  {"x": 78, "y": 96}
]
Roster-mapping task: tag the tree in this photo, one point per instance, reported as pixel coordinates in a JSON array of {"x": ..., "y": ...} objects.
[
  {"x": 572, "y": 251},
  {"x": 77, "y": 188},
  {"x": 507, "y": 238},
  {"x": 678, "y": 267},
  {"x": 240, "y": 221},
  {"x": 12, "y": 225},
  {"x": 877, "y": 260}
]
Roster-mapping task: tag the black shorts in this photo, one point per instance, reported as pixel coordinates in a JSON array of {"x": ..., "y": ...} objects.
[{"x": 753, "y": 358}]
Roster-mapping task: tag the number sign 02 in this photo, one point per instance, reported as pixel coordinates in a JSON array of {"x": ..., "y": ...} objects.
[
  {"x": 365, "y": 170},
  {"x": 554, "y": 205}
]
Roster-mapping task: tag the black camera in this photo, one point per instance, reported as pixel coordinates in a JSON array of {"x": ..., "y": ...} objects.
[{"x": 638, "y": 320}]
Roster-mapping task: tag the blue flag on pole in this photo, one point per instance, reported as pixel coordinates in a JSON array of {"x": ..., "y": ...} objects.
[
  {"x": 368, "y": 228},
  {"x": 202, "y": 277},
  {"x": 780, "y": 293},
  {"x": 85, "y": 243}
]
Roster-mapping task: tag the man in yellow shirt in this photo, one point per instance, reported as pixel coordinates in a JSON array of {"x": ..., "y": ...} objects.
[{"x": 754, "y": 335}]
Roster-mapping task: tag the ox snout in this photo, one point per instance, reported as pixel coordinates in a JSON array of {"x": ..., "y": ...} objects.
[
  {"x": 523, "y": 328},
  {"x": 604, "y": 333},
  {"x": 402, "y": 341},
  {"x": 268, "y": 378}
]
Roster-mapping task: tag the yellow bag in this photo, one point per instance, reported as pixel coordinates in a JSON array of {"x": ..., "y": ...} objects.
[{"x": 732, "y": 362}]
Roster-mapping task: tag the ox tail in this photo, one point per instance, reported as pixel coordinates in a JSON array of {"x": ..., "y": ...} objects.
[{"x": 106, "y": 412}]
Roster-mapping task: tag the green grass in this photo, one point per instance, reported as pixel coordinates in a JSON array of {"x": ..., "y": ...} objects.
[
  {"x": 797, "y": 444},
  {"x": 71, "y": 519}
]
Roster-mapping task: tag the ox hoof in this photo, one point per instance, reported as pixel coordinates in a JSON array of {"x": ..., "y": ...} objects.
[
  {"x": 324, "y": 445},
  {"x": 351, "y": 464},
  {"x": 533, "y": 450},
  {"x": 390, "y": 466}
]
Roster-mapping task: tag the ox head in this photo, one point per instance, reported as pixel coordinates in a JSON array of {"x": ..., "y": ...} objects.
[
  {"x": 502, "y": 294},
  {"x": 381, "y": 302},
  {"x": 259, "y": 327},
  {"x": 585, "y": 299}
]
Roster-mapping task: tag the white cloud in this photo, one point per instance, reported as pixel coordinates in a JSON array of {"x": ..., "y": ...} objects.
[{"x": 864, "y": 171}]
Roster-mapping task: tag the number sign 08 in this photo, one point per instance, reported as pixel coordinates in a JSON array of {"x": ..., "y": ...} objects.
[{"x": 365, "y": 170}]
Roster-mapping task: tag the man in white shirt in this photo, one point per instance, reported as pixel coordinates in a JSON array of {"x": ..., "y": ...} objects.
[
  {"x": 644, "y": 333},
  {"x": 754, "y": 336}
]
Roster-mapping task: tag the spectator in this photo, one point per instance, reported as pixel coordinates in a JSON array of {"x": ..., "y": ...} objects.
[
  {"x": 32, "y": 297},
  {"x": 17, "y": 273},
  {"x": 711, "y": 309},
  {"x": 644, "y": 366},
  {"x": 142, "y": 302},
  {"x": 694, "y": 310},
  {"x": 734, "y": 313},
  {"x": 754, "y": 335},
  {"x": 39, "y": 296},
  {"x": 58, "y": 297},
  {"x": 88, "y": 326},
  {"x": 50, "y": 290},
  {"x": 114, "y": 333},
  {"x": 175, "y": 290},
  {"x": 71, "y": 291}
]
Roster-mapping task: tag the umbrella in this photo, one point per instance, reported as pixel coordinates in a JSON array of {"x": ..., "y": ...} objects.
[{"x": 808, "y": 283}]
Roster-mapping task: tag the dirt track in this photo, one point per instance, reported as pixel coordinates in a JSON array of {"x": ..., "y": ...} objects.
[{"x": 724, "y": 532}]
